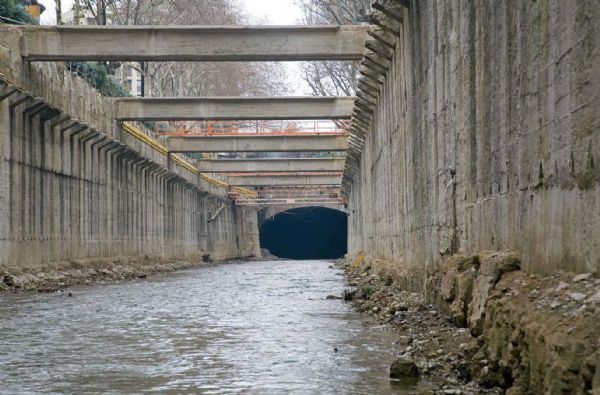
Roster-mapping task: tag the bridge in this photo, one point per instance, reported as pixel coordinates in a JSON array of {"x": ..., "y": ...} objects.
[{"x": 228, "y": 43}]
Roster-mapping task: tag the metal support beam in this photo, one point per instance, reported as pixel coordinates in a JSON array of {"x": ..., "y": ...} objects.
[
  {"x": 259, "y": 143},
  {"x": 270, "y": 165},
  {"x": 193, "y": 43},
  {"x": 288, "y": 180},
  {"x": 234, "y": 108}
]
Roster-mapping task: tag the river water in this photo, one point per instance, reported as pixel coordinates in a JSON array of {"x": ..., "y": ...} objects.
[{"x": 253, "y": 327}]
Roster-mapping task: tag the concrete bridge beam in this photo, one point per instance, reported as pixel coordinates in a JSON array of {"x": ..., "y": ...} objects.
[
  {"x": 275, "y": 143},
  {"x": 270, "y": 165},
  {"x": 234, "y": 108},
  {"x": 193, "y": 43},
  {"x": 288, "y": 180}
]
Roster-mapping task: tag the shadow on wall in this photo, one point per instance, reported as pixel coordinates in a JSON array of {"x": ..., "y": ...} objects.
[{"x": 306, "y": 233}]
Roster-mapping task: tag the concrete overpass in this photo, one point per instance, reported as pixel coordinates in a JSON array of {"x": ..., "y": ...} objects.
[
  {"x": 234, "y": 108},
  {"x": 285, "y": 180},
  {"x": 258, "y": 143},
  {"x": 270, "y": 165},
  {"x": 193, "y": 43}
]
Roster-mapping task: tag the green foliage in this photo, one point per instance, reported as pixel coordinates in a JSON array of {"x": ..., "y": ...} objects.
[
  {"x": 95, "y": 74},
  {"x": 366, "y": 292},
  {"x": 13, "y": 10}
]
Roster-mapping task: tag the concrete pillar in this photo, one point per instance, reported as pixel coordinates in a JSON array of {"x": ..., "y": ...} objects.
[{"x": 5, "y": 184}]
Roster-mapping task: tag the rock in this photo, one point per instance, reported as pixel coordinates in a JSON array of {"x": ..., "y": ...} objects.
[
  {"x": 463, "y": 371},
  {"x": 348, "y": 294},
  {"x": 492, "y": 266},
  {"x": 464, "y": 289},
  {"x": 562, "y": 285},
  {"x": 448, "y": 285},
  {"x": 333, "y": 297},
  {"x": 403, "y": 368},
  {"x": 582, "y": 277},
  {"x": 577, "y": 296},
  {"x": 468, "y": 263},
  {"x": 375, "y": 309},
  {"x": 8, "y": 280},
  {"x": 595, "y": 298}
]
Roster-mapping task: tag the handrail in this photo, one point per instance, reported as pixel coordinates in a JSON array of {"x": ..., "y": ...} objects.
[{"x": 137, "y": 133}]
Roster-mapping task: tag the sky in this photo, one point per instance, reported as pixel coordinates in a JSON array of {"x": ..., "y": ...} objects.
[
  {"x": 277, "y": 12},
  {"x": 271, "y": 12}
]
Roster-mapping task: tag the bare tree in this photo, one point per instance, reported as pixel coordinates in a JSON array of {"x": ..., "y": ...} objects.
[
  {"x": 207, "y": 78},
  {"x": 58, "y": 7},
  {"x": 333, "y": 78}
]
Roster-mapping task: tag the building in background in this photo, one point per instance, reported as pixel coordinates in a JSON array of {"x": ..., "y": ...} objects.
[
  {"x": 130, "y": 76},
  {"x": 33, "y": 8}
]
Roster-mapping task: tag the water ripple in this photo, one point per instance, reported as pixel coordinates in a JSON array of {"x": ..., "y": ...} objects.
[{"x": 262, "y": 327}]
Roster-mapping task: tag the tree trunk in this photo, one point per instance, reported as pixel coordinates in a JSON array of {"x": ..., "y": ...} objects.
[{"x": 58, "y": 12}]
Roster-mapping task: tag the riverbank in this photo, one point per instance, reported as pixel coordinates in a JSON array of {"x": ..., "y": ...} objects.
[
  {"x": 54, "y": 277},
  {"x": 488, "y": 327}
]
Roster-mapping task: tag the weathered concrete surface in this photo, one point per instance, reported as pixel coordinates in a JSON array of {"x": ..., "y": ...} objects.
[
  {"x": 193, "y": 43},
  {"x": 74, "y": 185},
  {"x": 226, "y": 108},
  {"x": 270, "y": 165},
  {"x": 258, "y": 143},
  {"x": 285, "y": 180},
  {"x": 486, "y": 136},
  {"x": 529, "y": 334}
]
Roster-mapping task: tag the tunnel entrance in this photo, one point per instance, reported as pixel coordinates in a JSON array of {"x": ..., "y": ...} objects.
[{"x": 306, "y": 233}]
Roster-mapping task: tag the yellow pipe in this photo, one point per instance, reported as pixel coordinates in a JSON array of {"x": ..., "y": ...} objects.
[{"x": 135, "y": 132}]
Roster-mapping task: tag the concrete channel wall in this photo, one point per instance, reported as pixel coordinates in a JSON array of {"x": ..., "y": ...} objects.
[
  {"x": 75, "y": 184},
  {"x": 486, "y": 137}
]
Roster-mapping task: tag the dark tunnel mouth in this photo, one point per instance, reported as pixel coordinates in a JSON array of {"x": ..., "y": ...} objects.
[{"x": 306, "y": 233}]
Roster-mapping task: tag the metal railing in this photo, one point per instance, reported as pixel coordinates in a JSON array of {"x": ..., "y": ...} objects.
[
  {"x": 292, "y": 196},
  {"x": 242, "y": 128}
]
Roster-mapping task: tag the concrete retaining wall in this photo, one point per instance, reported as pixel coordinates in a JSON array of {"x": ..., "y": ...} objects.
[
  {"x": 75, "y": 185},
  {"x": 486, "y": 137}
]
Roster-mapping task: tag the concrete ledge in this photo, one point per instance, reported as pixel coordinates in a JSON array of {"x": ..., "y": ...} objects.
[
  {"x": 270, "y": 165},
  {"x": 229, "y": 108},
  {"x": 257, "y": 143},
  {"x": 271, "y": 180},
  {"x": 193, "y": 43}
]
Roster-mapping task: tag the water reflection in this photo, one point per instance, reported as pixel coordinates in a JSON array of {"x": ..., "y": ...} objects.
[{"x": 261, "y": 327}]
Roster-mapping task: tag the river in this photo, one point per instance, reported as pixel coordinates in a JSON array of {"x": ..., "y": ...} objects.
[{"x": 245, "y": 327}]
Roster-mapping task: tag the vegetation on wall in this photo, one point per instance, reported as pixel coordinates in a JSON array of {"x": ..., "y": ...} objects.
[
  {"x": 12, "y": 12},
  {"x": 96, "y": 75}
]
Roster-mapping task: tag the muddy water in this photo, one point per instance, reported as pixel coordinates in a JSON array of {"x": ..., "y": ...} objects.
[{"x": 259, "y": 327}]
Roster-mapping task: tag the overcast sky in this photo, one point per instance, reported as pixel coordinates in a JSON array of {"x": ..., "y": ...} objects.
[{"x": 273, "y": 12}]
